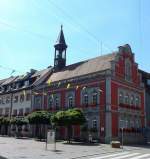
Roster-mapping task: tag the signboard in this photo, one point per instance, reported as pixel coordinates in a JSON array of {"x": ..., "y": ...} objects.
[{"x": 50, "y": 136}]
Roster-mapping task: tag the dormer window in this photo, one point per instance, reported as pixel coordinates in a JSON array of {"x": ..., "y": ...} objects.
[{"x": 26, "y": 83}]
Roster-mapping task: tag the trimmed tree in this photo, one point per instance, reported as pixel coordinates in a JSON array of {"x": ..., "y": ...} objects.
[
  {"x": 68, "y": 118},
  {"x": 4, "y": 122},
  {"x": 39, "y": 118},
  {"x": 19, "y": 122}
]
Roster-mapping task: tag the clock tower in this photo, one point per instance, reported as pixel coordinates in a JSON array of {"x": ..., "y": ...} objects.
[{"x": 60, "y": 51}]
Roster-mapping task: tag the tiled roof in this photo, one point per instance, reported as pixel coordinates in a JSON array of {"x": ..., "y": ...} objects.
[
  {"x": 42, "y": 75},
  {"x": 9, "y": 80},
  {"x": 97, "y": 64}
]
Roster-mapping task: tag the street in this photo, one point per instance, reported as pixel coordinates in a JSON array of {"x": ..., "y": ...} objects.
[{"x": 11, "y": 148}]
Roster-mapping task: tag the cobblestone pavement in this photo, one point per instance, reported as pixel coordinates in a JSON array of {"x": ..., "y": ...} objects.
[{"x": 12, "y": 148}]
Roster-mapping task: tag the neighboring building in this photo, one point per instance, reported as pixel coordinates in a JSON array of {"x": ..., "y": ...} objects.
[
  {"x": 108, "y": 88},
  {"x": 16, "y": 93},
  {"x": 146, "y": 81}
]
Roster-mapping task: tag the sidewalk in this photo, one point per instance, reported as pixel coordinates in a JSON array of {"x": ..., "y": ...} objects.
[{"x": 30, "y": 149}]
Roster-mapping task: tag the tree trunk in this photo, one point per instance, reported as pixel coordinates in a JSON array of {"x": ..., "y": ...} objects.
[{"x": 69, "y": 133}]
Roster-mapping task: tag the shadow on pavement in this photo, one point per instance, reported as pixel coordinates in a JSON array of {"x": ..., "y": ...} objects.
[
  {"x": 82, "y": 144},
  {"x": 3, "y": 157}
]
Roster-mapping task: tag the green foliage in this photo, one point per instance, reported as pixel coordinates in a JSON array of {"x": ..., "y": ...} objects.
[
  {"x": 19, "y": 121},
  {"x": 4, "y": 121},
  {"x": 69, "y": 117},
  {"x": 84, "y": 128},
  {"x": 39, "y": 117},
  {"x": 94, "y": 130}
]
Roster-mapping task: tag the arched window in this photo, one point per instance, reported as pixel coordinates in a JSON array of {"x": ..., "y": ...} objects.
[
  {"x": 50, "y": 102},
  {"x": 137, "y": 101},
  {"x": 94, "y": 124},
  {"x": 85, "y": 99},
  {"x": 128, "y": 70},
  {"x": 132, "y": 100},
  {"x": 70, "y": 101},
  {"x": 121, "y": 97},
  {"x": 56, "y": 103},
  {"x": 94, "y": 98},
  {"x": 127, "y": 99}
]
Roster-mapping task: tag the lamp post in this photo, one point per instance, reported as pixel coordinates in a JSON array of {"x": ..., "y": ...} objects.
[{"x": 122, "y": 137}]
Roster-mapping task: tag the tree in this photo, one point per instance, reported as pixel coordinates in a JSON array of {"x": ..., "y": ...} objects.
[
  {"x": 68, "y": 118},
  {"x": 19, "y": 122},
  {"x": 39, "y": 118},
  {"x": 4, "y": 121}
]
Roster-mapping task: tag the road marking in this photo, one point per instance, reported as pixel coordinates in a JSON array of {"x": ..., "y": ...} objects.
[
  {"x": 141, "y": 156},
  {"x": 124, "y": 156},
  {"x": 112, "y": 155}
]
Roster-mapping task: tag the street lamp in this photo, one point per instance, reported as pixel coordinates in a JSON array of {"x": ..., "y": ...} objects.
[{"x": 122, "y": 137}]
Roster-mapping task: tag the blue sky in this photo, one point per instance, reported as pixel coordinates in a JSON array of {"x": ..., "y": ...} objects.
[{"x": 29, "y": 29}]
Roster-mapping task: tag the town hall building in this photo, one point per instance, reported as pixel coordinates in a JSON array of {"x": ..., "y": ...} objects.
[{"x": 107, "y": 88}]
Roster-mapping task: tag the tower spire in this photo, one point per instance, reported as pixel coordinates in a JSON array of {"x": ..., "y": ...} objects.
[{"x": 60, "y": 51}]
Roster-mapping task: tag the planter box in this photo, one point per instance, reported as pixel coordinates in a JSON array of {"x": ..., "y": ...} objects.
[{"x": 115, "y": 144}]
